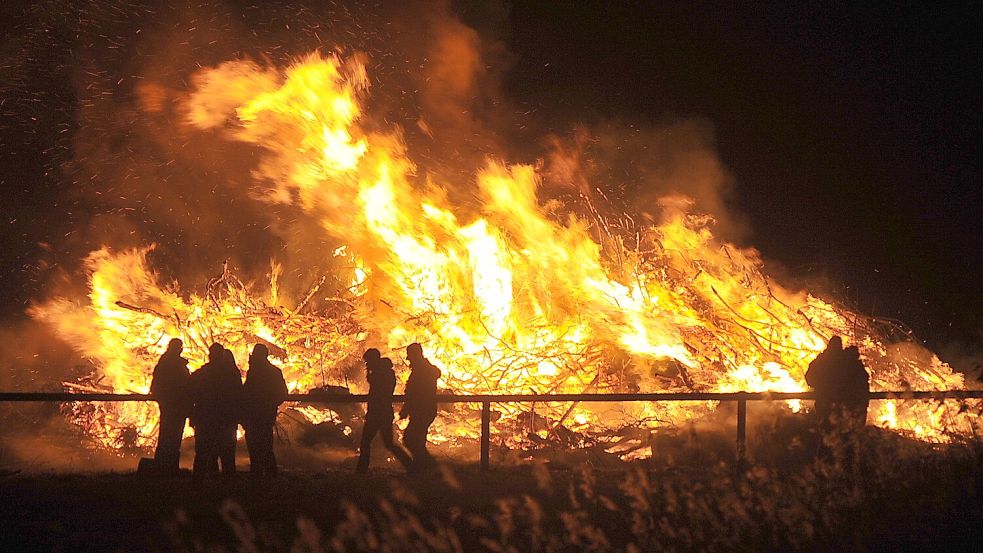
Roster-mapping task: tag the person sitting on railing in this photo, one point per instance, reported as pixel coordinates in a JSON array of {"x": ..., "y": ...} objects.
[
  {"x": 420, "y": 406},
  {"x": 171, "y": 388},
  {"x": 379, "y": 412},
  {"x": 262, "y": 394},
  {"x": 216, "y": 386}
]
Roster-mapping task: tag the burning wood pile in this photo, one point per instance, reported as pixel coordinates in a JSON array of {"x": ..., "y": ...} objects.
[{"x": 507, "y": 296}]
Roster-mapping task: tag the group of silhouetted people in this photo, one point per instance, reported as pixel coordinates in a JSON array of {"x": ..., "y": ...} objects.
[
  {"x": 420, "y": 406},
  {"x": 217, "y": 401}
]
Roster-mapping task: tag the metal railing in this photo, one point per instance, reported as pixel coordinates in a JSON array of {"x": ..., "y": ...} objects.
[{"x": 486, "y": 401}]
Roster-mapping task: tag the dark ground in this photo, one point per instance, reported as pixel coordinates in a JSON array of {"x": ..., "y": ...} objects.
[
  {"x": 921, "y": 500},
  {"x": 119, "y": 511},
  {"x": 905, "y": 495}
]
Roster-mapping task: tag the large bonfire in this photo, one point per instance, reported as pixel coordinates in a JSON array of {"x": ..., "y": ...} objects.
[{"x": 510, "y": 297}]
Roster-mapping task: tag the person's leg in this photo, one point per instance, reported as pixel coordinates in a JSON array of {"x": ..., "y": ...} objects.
[
  {"x": 228, "y": 449},
  {"x": 180, "y": 423},
  {"x": 369, "y": 431},
  {"x": 841, "y": 435},
  {"x": 386, "y": 433},
  {"x": 252, "y": 446},
  {"x": 412, "y": 436},
  {"x": 269, "y": 458},
  {"x": 168, "y": 454},
  {"x": 206, "y": 451},
  {"x": 198, "y": 467},
  {"x": 425, "y": 423},
  {"x": 824, "y": 429},
  {"x": 214, "y": 450},
  {"x": 857, "y": 425},
  {"x": 263, "y": 445},
  {"x": 415, "y": 442}
]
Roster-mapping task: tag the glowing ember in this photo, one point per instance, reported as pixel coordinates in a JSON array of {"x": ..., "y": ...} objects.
[{"x": 512, "y": 298}]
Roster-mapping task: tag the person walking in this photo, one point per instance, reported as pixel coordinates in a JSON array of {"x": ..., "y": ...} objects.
[
  {"x": 420, "y": 406},
  {"x": 379, "y": 413}
]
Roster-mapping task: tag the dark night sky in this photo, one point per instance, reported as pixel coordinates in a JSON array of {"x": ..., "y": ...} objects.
[{"x": 852, "y": 133}]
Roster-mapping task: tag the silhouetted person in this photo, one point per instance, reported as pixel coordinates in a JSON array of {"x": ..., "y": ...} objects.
[
  {"x": 379, "y": 414},
  {"x": 420, "y": 405},
  {"x": 822, "y": 376},
  {"x": 841, "y": 384},
  {"x": 856, "y": 388},
  {"x": 171, "y": 387},
  {"x": 262, "y": 393},
  {"x": 229, "y": 438},
  {"x": 217, "y": 387}
]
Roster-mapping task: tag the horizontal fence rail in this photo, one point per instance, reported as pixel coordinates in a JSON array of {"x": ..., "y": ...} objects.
[
  {"x": 315, "y": 397},
  {"x": 487, "y": 399}
]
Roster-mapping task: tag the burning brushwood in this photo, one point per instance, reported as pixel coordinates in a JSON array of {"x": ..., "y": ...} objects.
[{"x": 509, "y": 298}]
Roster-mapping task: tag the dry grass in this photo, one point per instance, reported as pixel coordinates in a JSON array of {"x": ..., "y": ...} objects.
[{"x": 902, "y": 495}]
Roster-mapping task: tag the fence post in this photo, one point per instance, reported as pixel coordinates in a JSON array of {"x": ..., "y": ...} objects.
[
  {"x": 741, "y": 431},
  {"x": 485, "y": 432}
]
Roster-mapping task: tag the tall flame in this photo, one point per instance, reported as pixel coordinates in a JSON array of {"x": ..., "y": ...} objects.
[{"x": 508, "y": 297}]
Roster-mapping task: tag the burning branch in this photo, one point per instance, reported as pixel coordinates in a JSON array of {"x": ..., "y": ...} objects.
[{"x": 139, "y": 309}]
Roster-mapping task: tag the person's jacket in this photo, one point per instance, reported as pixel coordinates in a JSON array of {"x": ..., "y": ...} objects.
[
  {"x": 421, "y": 388},
  {"x": 171, "y": 383},
  {"x": 856, "y": 381},
  {"x": 382, "y": 385},
  {"x": 264, "y": 390},
  {"x": 217, "y": 390},
  {"x": 838, "y": 377}
]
